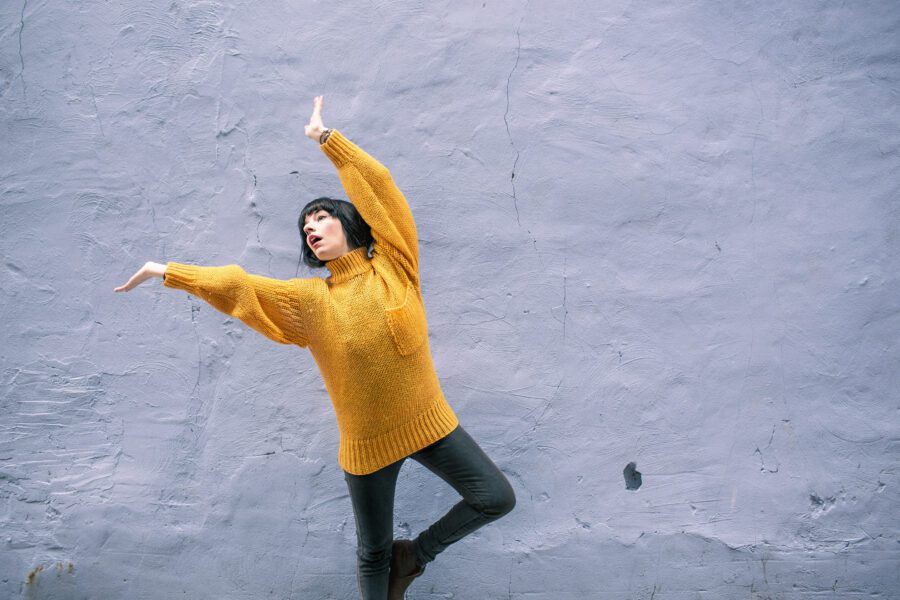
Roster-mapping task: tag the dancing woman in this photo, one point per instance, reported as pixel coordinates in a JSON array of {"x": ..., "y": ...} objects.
[{"x": 366, "y": 329}]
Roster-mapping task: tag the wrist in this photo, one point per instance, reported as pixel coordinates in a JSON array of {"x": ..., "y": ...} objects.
[
  {"x": 156, "y": 269},
  {"x": 324, "y": 134}
]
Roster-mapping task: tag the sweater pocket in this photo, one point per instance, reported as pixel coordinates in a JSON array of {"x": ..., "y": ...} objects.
[{"x": 407, "y": 322}]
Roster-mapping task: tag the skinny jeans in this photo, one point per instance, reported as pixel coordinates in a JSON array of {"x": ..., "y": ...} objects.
[{"x": 455, "y": 458}]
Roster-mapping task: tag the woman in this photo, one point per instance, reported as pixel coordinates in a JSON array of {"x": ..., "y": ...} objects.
[{"x": 365, "y": 327}]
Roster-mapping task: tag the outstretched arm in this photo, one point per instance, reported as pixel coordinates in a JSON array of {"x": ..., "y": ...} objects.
[
  {"x": 273, "y": 307},
  {"x": 373, "y": 192}
]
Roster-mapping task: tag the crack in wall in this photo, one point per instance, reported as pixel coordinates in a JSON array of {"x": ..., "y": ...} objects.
[
  {"x": 512, "y": 178},
  {"x": 195, "y": 309},
  {"x": 21, "y": 57},
  {"x": 97, "y": 110},
  {"x": 565, "y": 290}
]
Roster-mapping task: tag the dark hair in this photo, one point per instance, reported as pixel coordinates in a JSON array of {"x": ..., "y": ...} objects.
[{"x": 357, "y": 231}]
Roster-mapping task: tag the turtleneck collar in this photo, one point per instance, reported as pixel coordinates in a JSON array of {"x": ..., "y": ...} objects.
[{"x": 349, "y": 265}]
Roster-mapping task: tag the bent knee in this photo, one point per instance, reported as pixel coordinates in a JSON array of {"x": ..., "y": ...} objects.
[
  {"x": 375, "y": 556},
  {"x": 501, "y": 502}
]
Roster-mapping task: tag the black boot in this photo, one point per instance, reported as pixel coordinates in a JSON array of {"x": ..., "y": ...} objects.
[{"x": 404, "y": 568}]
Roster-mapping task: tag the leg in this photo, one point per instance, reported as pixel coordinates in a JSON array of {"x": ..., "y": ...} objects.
[
  {"x": 487, "y": 494},
  {"x": 372, "y": 497}
]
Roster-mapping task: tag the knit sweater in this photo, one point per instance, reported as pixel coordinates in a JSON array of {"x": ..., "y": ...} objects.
[{"x": 365, "y": 324}]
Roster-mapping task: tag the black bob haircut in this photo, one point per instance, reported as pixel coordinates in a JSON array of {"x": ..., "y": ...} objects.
[{"x": 357, "y": 231}]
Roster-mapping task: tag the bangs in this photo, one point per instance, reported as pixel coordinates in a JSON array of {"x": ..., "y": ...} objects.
[{"x": 315, "y": 207}]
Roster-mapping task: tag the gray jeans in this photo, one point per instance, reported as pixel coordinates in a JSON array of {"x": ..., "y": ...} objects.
[{"x": 455, "y": 458}]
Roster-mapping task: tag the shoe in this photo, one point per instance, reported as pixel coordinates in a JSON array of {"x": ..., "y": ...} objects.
[{"x": 404, "y": 568}]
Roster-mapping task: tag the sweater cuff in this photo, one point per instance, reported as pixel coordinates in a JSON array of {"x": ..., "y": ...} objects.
[
  {"x": 180, "y": 276},
  {"x": 338, "y": 148}
]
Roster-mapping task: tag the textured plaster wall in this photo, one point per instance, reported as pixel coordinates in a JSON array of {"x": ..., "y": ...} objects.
[{"x": 651, "y": 232}]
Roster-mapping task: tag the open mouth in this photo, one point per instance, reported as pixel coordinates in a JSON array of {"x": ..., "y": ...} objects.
[{"x": 314, "y": 240}]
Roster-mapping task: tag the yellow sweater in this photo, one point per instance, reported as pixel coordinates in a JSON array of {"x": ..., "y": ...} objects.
[{"x": 364, "y": 325}]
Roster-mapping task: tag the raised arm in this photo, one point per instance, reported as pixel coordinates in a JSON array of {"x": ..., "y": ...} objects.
[{"x": 373, "y": 192}]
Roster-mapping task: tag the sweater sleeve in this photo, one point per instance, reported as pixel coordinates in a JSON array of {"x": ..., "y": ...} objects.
[
  {"x": 273, "y": 307},
  {"x": 375, "y": 195}
]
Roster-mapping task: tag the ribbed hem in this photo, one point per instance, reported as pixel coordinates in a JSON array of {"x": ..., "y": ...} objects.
[
  {"x": 349, "y": 265},
  {"x": 338, "y": 148},
  {"x": 179, "y": 276},
  {"x": 361, "y": 457}
]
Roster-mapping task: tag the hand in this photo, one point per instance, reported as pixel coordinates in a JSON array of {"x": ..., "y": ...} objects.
[
  {"x": 150, "y": 269},
  {"x": 314, "y": 128}
]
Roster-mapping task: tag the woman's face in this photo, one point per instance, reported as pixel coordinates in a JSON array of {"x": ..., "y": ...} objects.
[{"x": 325, "y": 235}]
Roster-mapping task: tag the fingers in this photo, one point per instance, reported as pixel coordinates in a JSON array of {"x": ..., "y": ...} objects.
[
  {"x": 132, "y": 283},
  {"x": 128, "y": 286},
  {"x": 318, "y": 101},
  {"x": 313, "y": 129}
]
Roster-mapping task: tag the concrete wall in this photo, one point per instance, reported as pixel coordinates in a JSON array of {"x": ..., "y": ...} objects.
[{"x": 651, "y": 232}]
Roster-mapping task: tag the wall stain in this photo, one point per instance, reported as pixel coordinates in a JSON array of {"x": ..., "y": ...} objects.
[{"x": 60, "y": 567}]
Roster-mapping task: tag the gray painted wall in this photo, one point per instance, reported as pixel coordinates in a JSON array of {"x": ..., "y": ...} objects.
[{"x": 651, "y": 232}]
